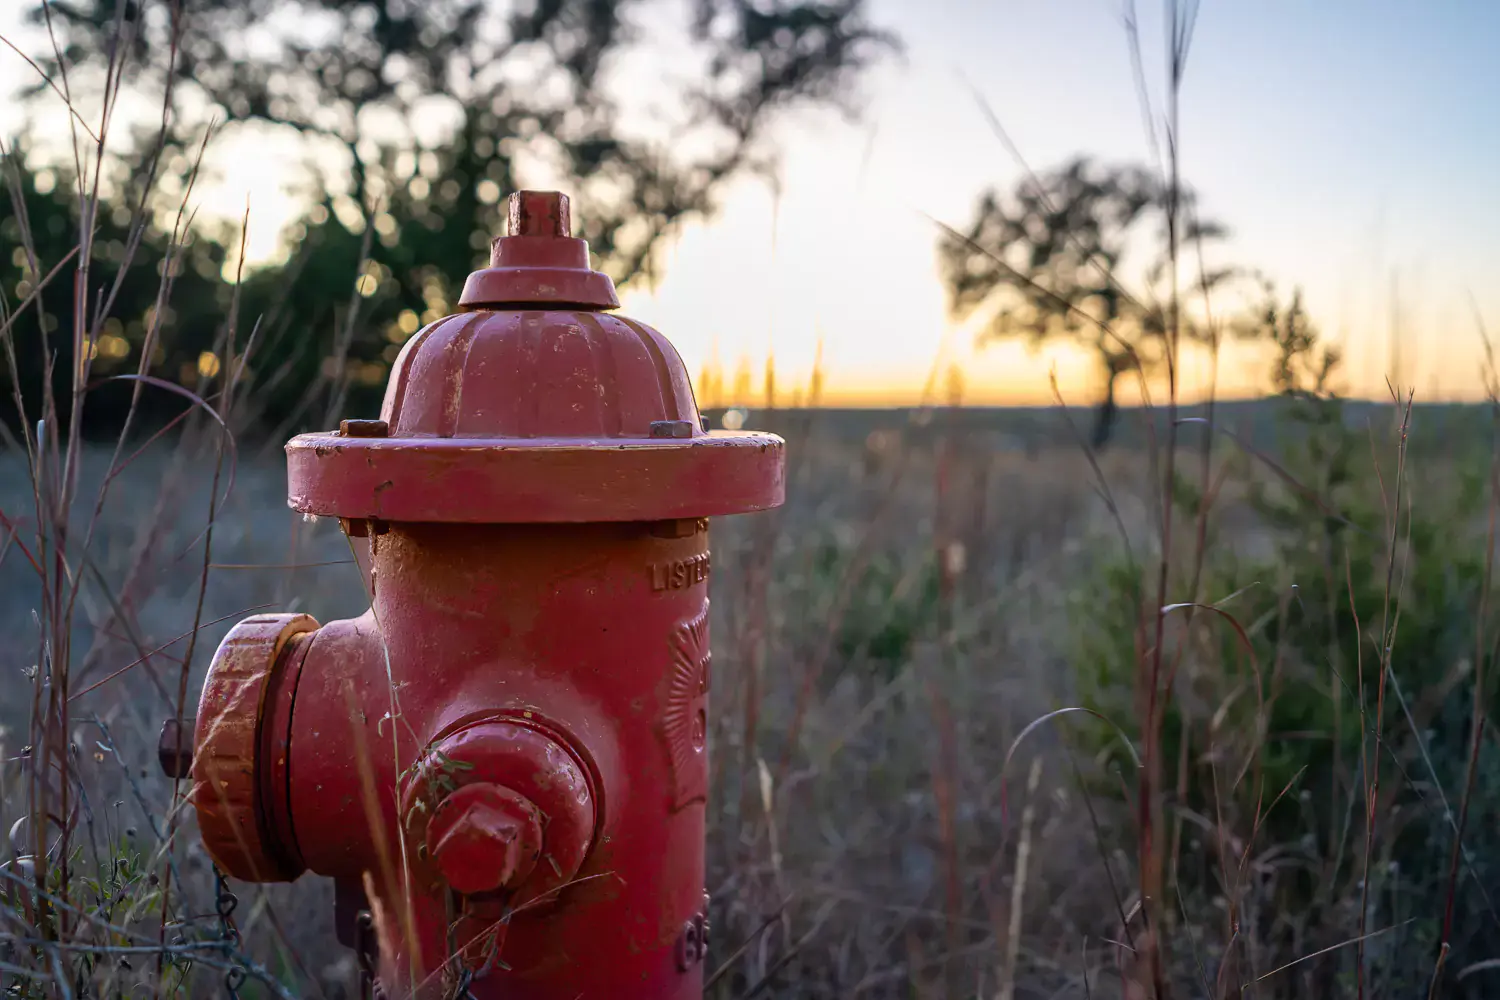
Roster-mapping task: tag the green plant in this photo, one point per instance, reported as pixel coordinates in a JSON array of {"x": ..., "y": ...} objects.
[
  {"x": 891, "y": 605},
  {"x": 1338, "y": 646}
]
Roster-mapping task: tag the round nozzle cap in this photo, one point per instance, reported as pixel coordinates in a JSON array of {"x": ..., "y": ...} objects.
[{"x": 230, "y": 786}]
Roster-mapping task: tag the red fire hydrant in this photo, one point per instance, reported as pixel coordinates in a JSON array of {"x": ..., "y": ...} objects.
[{"x": 502, "y": 763}]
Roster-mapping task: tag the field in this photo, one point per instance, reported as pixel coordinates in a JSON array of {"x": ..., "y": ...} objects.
[
  {"x": 937, "y": 584},
  {"x": 1192, "y": 701}
]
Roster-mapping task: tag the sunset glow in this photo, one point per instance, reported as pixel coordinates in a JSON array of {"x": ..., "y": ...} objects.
[{"x": 1289, "y": 120}]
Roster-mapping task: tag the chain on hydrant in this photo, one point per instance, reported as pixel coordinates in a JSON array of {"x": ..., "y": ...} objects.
[
  {"x": 225, "y": 903},
  {"x": 503, "y": 763}
]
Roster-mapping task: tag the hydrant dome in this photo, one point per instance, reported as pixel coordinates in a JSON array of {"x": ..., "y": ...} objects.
[
  {"x": 537, "y": 373},
  {"x": 535, "y": 405}
]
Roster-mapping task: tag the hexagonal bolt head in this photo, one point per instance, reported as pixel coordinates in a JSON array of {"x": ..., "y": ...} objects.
[
  {"x": 174, "y": 748},
  {"x": 671, "y": 428},
  {"x": 364, "y": 428},
  {"x": 484, "y": 837}
]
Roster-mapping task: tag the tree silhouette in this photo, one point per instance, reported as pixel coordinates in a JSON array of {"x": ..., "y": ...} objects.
[
  {"x": 133, "y": 259},
  {"x": 1303, "y": 366},
  {"x": 1054, "y": 259},
  {"x": 503, "y": 82},
  {"x": 430, "y": 111}
]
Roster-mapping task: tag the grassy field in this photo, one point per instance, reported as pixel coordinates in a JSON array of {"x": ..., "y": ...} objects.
[
  {"x": 1207, "y": 714},
  {"x": 939, "y": 585}
]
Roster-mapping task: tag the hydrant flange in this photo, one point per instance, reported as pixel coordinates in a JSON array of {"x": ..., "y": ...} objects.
[{"x": 536, "y": 480}]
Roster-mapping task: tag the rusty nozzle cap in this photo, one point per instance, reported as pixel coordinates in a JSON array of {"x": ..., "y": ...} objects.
[
  {"x": 233, "y": 794},
  {"x": 538, "y": 262}
]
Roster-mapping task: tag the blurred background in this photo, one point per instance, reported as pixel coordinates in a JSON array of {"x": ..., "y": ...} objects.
[{"x": 1134, "y": 369}]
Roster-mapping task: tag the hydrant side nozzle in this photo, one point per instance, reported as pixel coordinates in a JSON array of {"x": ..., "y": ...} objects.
[
  {"x": 477, "y": 791},
  {"x": 235, "y": 819}
]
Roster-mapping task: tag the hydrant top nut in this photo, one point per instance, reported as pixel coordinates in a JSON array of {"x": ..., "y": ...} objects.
[{"x": 539, "y": 262}]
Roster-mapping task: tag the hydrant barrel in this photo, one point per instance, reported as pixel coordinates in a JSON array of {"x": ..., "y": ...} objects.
[{"x": 509, "y": 750}]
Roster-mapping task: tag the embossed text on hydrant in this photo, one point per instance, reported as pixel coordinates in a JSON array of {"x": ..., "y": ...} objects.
[{"x": 678, "y": 574}]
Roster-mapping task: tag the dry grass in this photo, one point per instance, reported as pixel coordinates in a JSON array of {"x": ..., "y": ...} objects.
[
  {"x": 853, "y": 807},
  {"x": 882, "y": 851}
]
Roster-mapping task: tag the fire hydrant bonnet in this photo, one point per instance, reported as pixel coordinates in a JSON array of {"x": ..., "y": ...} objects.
[{"x": 533, "y": 405}]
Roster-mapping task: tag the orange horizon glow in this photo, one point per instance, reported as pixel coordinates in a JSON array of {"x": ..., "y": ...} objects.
[
  {"x": 1241, "y": 376},
  {"x": 832, "y": 270},
  {"x": 870, "y": 398}
]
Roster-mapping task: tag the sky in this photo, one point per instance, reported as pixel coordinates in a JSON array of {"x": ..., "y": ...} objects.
[{"x": 1349, "y": 145}]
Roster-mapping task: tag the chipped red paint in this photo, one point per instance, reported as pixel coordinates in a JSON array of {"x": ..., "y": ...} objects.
[{"x": 509, "y": 748}]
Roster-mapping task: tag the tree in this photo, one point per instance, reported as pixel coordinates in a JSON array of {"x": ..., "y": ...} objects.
[
  {"x": 148, "y": 287},
  {"x": 1303, "y": 366},
  {"x": 1052, "y": 260},
  {"x": 435, "y": 108}
]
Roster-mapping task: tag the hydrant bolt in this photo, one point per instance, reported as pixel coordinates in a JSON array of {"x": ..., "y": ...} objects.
[
  {"x": 484, "y": 837},
  {"x": 364, "y": 428},
  {"x": 671, "y": 428}
]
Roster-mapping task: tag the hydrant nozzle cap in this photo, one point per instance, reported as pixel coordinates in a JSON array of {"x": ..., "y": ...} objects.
[{"x": 538, "y": 262}]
